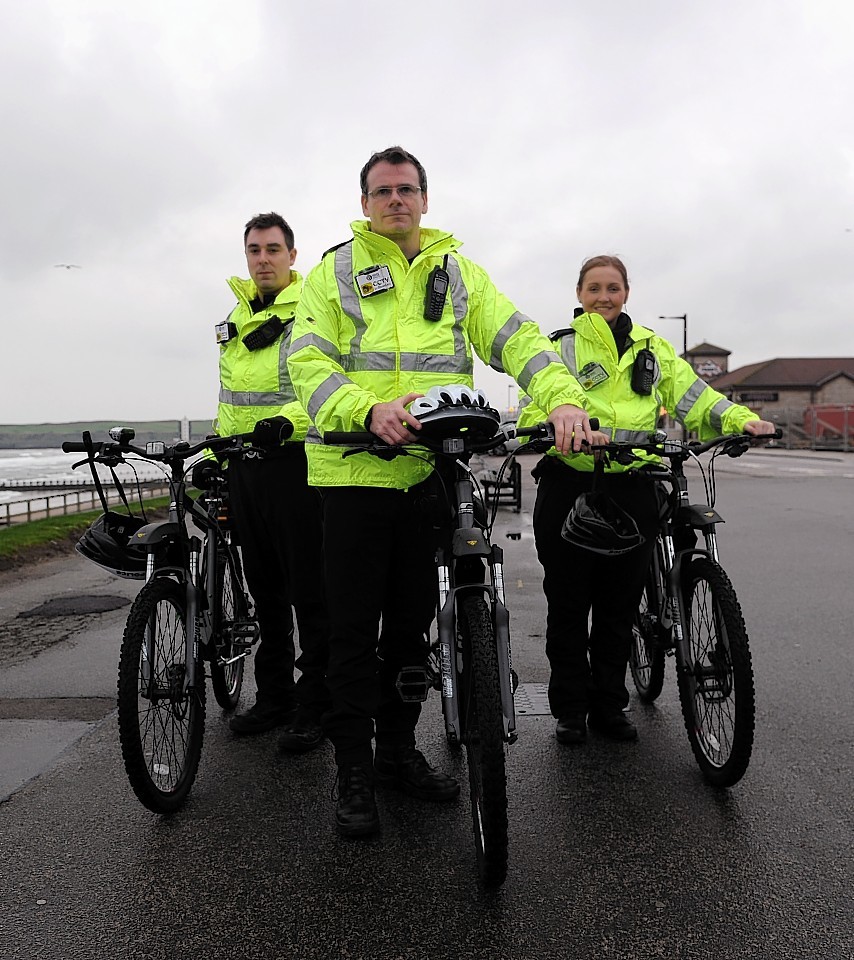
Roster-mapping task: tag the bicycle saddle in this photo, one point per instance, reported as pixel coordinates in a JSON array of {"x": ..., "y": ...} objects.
[{"x": 448, "y": 411}]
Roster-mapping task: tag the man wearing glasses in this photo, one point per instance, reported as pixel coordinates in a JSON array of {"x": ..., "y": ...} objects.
[{"x": 384, "y": 317}]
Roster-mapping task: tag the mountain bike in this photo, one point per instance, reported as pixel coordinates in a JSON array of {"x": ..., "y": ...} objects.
[
  {"x": 193, "y": 611},
  {"x": 469, "y": 660},
  {"x": 689, "y": 610}
]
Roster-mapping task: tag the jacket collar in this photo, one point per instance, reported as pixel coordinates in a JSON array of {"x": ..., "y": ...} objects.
[
  {"x": 433, "y": 242},
  {"x": 246, "y": 291}
]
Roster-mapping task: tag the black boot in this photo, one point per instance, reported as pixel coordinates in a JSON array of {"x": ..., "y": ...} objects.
[
  {"x": 405, "y": 768},
  {"x": 356, "y": 814}
]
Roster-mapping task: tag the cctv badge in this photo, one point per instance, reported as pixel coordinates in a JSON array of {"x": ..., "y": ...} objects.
[{"x": 374, "y": 280}]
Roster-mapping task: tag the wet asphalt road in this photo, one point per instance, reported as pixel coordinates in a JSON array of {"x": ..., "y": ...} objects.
[{"x": 617, "y": 851}]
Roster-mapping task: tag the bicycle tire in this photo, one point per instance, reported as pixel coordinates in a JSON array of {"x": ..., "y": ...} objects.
[
  {"x": 483, "y": 736},
  {"x": 716, "y": 687},
  {"x": 161, "y": 735},
  {"x": 646, "y": 655},
  {"x": 229, "y": 605}
]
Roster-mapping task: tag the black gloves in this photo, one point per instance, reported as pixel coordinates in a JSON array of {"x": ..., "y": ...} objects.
[{"x": 272, "y": 431}]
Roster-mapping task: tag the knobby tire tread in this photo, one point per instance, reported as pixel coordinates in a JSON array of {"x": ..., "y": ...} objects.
[
  {"x": 227, "y": 681},
  {"x": 484, "y": 741},
  {"x": 732, "y": 721},
  {"x": 647, "y": 656},
  {"x": 161, "y": 740}
]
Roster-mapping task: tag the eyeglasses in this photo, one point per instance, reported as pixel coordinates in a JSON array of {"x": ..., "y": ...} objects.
[{"x": 406, "y": 192}]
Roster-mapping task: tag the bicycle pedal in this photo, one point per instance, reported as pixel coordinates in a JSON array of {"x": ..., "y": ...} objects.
[
  {"x": 244, "y": 632},
  {"x": 413, "y": 684}
]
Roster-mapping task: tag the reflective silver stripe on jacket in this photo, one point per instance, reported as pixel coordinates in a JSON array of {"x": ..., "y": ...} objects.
[
  {"x": 324, "y": 392},
  {"x": 717, "y": 413},
  {"x": 437, "y": 363},
  {"x": 460, "y": 303},
  {"x": 627, "y": 436},
  {"x": 510, "y": 327},
  {"x": 350, "y": 303},
  {"x": 689, "y": 398},
  {"x": 325, "y": 346},
  {"x": 257, "y": 398},
  {"x": 567, "y": 352},
  {"x": 251, "y": 398},
  {"x": 538, "y": 362}
]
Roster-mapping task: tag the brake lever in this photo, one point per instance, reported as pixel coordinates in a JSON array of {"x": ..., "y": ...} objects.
[{"x": 383, "y": 451}]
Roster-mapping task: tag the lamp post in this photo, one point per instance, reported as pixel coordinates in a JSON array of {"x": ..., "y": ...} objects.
[{"x": 684, "y": 318}]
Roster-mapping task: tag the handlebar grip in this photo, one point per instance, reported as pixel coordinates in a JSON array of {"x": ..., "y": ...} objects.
[
  {"x": 345, "y": 437},
  {"x": 76, "y": 446}
]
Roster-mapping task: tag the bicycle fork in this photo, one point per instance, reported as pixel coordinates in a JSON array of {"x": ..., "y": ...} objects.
[{"x": 450, "y": 651}]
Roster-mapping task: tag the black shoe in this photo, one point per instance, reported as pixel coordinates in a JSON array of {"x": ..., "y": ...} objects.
[
  {"x": 615, "y": 726},
  {"x": 356, "y": 814},
  {"x": 301, "y": 735},
  {"x": 571, "y": 729},
  {"x": 406, "y": 769},
  {"x": 260, "y": 718}
]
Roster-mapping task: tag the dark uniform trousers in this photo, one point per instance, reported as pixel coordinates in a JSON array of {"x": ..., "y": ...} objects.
[
  {"x": 278, "y": 525},
  {"x": 588, "y": 658},
  {"x": 381, "y": 582}
]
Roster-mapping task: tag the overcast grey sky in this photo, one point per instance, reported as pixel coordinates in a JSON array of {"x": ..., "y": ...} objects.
[{"x": 709, "y": 145}]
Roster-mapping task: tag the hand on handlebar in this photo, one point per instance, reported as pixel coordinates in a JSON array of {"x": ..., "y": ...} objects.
[
  {"x": 572, "y": 426},
  {"x": 272, "y": 431},
  {"x": 392, "y": 422},
  {"x": 761, "y": 430}
]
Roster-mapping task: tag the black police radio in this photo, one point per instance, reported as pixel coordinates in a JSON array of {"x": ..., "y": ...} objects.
[
  {"x": 437, "y": 292},
  {"x": 643, "y": 372}
]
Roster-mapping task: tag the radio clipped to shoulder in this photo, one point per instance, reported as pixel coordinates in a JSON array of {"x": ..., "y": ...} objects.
[{"x": 437, "y": 291}]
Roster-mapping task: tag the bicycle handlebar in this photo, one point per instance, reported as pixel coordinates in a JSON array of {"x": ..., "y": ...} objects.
[
  {"x": 542, "y": 431},
  {"x": 182, "y": 450}
]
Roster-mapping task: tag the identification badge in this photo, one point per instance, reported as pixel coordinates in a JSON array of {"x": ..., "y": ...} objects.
[
  {"x": 374, "y": 280},
  {"x": 592, "y": 374},
  {"x": 225, "y": 331}
]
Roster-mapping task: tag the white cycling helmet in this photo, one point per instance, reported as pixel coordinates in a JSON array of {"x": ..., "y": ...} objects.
[{"x": 448, "y": 409}]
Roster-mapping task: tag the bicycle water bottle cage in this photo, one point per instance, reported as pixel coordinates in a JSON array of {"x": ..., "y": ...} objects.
[{"x": 448, "y": 411}]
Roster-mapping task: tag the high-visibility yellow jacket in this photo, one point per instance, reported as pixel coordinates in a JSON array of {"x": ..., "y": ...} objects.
[
  {"x": 590, "y": 353},
  {"x": 254, "y": 384},
  {"x": 350, "y": 351}
]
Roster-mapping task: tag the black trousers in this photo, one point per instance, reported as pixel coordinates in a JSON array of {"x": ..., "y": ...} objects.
[
  {"x": 278, "y": 525},
  {"x": 588, "y": 656},
  {"x": 379, "y": 557}
]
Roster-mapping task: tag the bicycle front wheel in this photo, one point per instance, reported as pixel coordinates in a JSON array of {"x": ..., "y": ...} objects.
[
  {"x": 483, "y": 735},
  {"x": 646, "y": 655},
  {"x": 229, "y": 605},
  {"x": 715, "y": 675},
  {"x": 161, "y": 720}
]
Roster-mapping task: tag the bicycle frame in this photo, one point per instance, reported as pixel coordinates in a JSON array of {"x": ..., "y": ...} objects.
[{"x": 172, "y": 550}]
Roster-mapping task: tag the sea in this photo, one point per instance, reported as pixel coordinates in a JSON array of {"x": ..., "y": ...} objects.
[{"x": 52, "y": 464}]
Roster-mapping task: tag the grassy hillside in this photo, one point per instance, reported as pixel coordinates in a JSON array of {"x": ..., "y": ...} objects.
[{"x": 28, "y": 436}]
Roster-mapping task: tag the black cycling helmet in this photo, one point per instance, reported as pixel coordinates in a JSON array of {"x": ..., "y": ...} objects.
[
  {"x": 105, "y": 542},
  {"x": 597, "y": 523},
  {"x": 448, "y": 409}
]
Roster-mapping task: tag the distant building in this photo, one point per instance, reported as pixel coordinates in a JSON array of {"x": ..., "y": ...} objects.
[
  {"x": 708, "y": 360},
  {"x": 787, "y": 383}
]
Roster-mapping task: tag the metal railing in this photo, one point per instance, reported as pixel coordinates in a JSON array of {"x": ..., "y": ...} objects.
[{"x": 71, "y": 501}]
